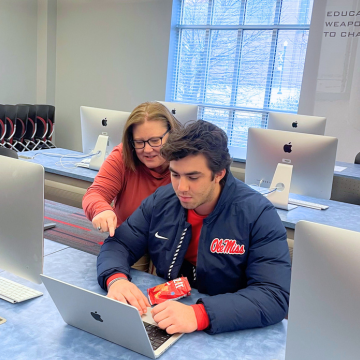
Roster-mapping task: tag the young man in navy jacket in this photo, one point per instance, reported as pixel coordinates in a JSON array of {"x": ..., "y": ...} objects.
[{"x": 226, "y": 238}]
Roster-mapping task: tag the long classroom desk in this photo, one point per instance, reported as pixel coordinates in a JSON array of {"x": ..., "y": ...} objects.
[
  {"x": 351, "y": 171},
  {"x": 339, "y": 214},
  {"x": 35, "y": 330}
]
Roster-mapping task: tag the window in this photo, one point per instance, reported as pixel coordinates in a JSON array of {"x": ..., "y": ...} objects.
[{"x": 240, "y": 59}]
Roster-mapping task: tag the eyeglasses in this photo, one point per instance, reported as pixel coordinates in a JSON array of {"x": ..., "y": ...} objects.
[{"x": 153, "y": 142}]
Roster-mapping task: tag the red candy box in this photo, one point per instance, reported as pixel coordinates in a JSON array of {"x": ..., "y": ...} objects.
[{"x": 171, "y": 290}]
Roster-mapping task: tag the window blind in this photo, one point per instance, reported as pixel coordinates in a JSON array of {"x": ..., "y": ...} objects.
[{"x": 240, "y": 59}]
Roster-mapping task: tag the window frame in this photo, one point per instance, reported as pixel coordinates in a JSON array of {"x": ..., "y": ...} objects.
[{"x": 276, "y": 27}]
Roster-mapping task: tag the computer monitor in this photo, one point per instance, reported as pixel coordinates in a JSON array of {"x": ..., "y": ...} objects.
[
  {"x": 182, "y": 112},
  {"x": 96, "y": 121},
  {"x": 297, "y": 123},
  {"x": 324, "y": 311},
  {"x": 312, "y": 157},
  {"x": 22, "y": 218}
]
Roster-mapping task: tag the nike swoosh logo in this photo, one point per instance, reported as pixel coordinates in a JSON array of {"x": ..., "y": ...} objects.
[{"x": 160, "y": 237}]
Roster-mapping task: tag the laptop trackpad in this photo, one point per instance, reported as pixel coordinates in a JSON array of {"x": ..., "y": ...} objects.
[{"x": 148, "y": 317}]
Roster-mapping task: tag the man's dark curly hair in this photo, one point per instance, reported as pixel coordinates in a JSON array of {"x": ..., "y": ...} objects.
[{"x": 199, "y": 137}]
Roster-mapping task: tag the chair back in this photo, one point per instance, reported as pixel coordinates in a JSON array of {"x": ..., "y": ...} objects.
[
  {"x": 51, "y": 121},
  {"x": 357, "y": 159},
  {"x": 41, "y": 121},
  {"x": 10, "y": 120},
  {"x": 2, "y": 123},
  {"x": 22, "y": 112},
  {"x": 30, "y": 124}
]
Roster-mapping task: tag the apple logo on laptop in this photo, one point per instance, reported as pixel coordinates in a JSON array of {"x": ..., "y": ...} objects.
[
  {"x": 173, "y": 111},
  {"x": 104, "y": 122},
  {"x": 294, "y": 124},
  {"x": 287, "y": 147},
  {"x": 96, "y": 316}
]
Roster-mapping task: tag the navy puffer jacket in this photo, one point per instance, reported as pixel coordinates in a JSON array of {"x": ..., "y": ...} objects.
[{"x": 243, "y": 258}]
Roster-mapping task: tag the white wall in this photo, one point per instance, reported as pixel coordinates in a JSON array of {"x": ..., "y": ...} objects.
[
  {"x": 46, "y": 51},
  {"x": 331, "y": 82},
  {"x": 111, "y": 54},
  {"x": 18, "y": 44}
]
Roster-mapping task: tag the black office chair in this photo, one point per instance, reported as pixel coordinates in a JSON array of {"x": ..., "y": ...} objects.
[
  {"x": 51, "y": 126},
  {"x": 29, "y": 136},
  {"x": 8, "y": 152},
  {"x": 2, "y": 125},
  {"x": 10, "y": 120},
  {"x": 22, "y": 113},
  {"x": 35, "y": 136},
  {"x": 42, "y": 126},
  {"x": 357, "y": 159}
]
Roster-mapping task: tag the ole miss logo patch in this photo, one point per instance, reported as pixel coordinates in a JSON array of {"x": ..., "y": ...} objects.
[{"x": 226, "y": 246}]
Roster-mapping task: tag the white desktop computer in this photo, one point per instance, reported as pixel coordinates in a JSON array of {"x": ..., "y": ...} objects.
[
  {"x": 324, "y": 309},
  {"x": 101, "y": 131},
  {"x": 297, "y": 123},
  {"x": 182, "y": 112},
  {"x": 21, "y": 225},
  {"x": 312, "y": 158}
]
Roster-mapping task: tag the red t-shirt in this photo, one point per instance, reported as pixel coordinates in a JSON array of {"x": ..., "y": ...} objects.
[{"x": 196, "y": 222}]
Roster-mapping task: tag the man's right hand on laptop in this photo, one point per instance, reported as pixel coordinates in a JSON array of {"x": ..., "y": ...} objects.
[
  {"x": 105, "y": 221},
  {"x": 128, "y": 293}
]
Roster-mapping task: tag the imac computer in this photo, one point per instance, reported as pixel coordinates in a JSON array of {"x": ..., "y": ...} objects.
[
  {"x": 297, "y": 123},
  {"x": 312, "y": 158},
  {"x": 101, "y": 131},
  {"x": 182, "y": 112},
  {"x": 21, "y": 225},
  {"x": 324, "y": 310},
  {"x": 95, "y": 122}
]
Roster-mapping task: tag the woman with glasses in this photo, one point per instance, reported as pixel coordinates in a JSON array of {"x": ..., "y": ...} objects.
[{"x": 132, "y": 171}]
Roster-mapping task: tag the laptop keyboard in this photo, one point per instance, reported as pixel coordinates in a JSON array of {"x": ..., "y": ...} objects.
[
  {"x": 14, "y": 292},
  {"x": 156, "y": 335}
]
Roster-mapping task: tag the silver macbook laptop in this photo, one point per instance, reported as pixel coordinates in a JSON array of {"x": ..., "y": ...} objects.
[
  {"x": 109, "y": 319},
  {"x": 324, "y": 313}
]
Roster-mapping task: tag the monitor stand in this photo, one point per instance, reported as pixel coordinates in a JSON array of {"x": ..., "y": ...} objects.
[
  {"x": 281, "y": 182},
  {"x": 101, "y": 145}
]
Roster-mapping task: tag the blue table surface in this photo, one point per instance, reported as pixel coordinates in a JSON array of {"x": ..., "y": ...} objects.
[
  {"x": 61, "y": 165},
  {"x": 35, "y": 329},
  {"x": 339, "y": 214},
  {"x": 352, "y": 170}
]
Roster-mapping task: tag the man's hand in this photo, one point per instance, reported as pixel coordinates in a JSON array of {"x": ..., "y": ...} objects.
[
  {"x": 125, "y": 291},
  {"x": 105, "y": 221},
  {"x": 175, "y": 317}
]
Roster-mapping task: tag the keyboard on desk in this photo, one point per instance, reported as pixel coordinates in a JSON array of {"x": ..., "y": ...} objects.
[
  {"x": 14, "y": 292},
  {"x": 308, "y": 204}
]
